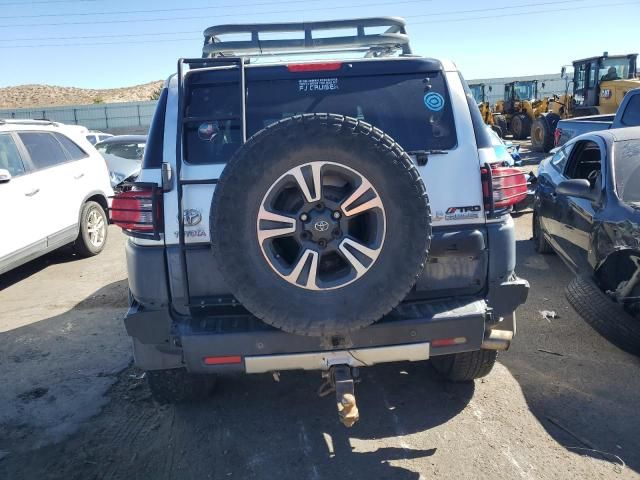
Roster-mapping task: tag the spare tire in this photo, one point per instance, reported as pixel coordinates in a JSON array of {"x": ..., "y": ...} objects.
[{"x": 320, "y": 224}]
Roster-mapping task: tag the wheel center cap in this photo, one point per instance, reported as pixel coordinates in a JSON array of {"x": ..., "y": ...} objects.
[{"x": 321, "y": 226}]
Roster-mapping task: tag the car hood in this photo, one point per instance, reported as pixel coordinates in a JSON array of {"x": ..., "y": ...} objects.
[{"x": 122, "y": 166}]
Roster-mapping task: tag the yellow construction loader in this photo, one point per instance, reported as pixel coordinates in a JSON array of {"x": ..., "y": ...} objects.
[
  {"x": 597, "y": 87},
  {"x": 479, "y": 91},
  {"x": 520, "y": 107}
]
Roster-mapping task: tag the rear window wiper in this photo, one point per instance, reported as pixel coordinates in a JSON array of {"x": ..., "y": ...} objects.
[{"x": 423, "y": 155}]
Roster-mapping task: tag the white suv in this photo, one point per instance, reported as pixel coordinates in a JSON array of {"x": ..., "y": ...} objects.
[{"x": 54, "y": 191}]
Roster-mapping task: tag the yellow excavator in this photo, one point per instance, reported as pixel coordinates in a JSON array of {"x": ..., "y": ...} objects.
[
  {"x": 479, "y": 91},
  {"x": 520, "y": 107},
  {"x": 598, "y": 86}
]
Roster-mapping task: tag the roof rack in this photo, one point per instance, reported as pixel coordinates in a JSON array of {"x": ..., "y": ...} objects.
[
  {"x": 27, "y": 121},
  {"x": 392, "y": 40}
]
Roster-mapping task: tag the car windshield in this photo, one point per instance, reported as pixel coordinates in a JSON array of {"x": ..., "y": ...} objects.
[
  {"x": 525, "y": 91},
  {"x": 130, "y": 150},
  {"x": 627, "y": 171}
]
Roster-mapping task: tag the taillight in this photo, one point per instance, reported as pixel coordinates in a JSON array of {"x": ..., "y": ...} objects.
[
  {"x": 502, "y": 187},
  {"x": 138, "y": 211},
  {"x": 314, "y": 67},
  {"x": 556, "y": 136}
]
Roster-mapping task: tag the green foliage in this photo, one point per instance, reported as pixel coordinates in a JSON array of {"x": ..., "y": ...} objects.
[{"x": 156, "y": 94}]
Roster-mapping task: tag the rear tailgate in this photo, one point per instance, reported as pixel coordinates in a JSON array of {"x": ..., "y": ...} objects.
[{"x": 416, "y": 101}]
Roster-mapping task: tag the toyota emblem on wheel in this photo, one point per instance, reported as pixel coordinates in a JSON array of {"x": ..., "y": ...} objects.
[{"x": 321, "y": 225}]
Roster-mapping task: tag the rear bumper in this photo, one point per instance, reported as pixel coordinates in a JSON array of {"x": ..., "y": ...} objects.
[{"x": 407, "y": 334}]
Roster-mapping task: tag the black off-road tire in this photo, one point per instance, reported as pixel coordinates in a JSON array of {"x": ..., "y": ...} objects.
[
  {"x": 542, "y": 134},
  {"x": 83, "y": 245},
  {"x": 540, "y": 243},
  {"x": 520, "y": 126},
  {"x": 607, "y": 317},
  {"x": 177, "y": 386},
  {"x": 466, "y": 366},
  {"x": 501, "y": 125},
  {"x": 257, "y": 166}
]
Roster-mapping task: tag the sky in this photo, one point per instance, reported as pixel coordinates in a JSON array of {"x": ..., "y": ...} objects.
[{"x": 116, "y": 43}]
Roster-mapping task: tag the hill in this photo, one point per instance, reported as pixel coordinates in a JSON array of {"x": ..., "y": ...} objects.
[{"x": 28, "y": 96}]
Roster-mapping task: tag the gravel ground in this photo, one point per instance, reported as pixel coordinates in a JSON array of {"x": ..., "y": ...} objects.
[{"x": 561, "y": 404}]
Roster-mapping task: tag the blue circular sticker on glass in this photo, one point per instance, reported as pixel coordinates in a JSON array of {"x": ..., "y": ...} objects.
[{"x": 434, "y": 101}]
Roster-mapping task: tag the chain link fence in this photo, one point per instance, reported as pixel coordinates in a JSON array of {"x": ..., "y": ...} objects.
[{"x": 107, "y": 117}]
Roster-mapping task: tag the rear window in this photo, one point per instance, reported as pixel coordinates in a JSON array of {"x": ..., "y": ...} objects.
[
  {"x": 414, "y": 109},
  {"x": 74, "y": 151},
  {"x": 627, "y": 171}
]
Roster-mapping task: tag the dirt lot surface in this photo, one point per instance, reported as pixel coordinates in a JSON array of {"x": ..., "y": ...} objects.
[{"x": 563, "y": 403}]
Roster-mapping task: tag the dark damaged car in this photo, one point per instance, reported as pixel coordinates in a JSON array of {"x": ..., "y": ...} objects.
[{"x": 587, "y": 210}]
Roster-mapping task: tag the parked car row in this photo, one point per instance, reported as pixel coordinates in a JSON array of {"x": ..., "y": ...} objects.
[{"x": 59, "y": 187}]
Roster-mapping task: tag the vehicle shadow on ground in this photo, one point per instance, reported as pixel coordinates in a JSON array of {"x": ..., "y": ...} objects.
[
  {"x": 56, "y": 371},
  {"x": 62, "y": 255},
  {"x": 581, "y": 388},
  {"x": 254, "y": 427}
]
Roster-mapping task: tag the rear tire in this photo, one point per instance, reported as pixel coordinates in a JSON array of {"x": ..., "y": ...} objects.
[
  {"x": 607, "y": 317},
  {"x": 466, "y": 366},
  {"x": 540, "y": 243},
  {"x": 177, "y": 386},
  {"x": 542, "y": 138},
  {"x": 94, "y": 229}
]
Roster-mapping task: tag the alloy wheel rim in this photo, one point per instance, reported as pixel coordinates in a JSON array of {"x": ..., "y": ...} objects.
[
  {"x": 321, "y": 226},
  {"x": 96, "y": 228}
]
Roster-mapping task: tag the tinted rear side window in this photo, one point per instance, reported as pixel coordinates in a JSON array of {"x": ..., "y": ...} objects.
[
  {"x": 631, "y": 116},
  {"x": 153, "y": 149},
  {"x": 74, "y": 151},
  {"x": 45, "y": 151},
  {"x": 627, "y": 171}
]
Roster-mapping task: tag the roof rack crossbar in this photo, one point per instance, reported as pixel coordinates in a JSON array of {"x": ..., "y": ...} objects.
[{"x": 393, "y": 39}]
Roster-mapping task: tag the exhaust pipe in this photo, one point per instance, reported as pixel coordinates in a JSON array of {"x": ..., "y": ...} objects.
[{"x": 497, "y": 340}]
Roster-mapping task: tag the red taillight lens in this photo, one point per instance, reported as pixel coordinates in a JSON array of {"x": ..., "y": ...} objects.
[
  {"x": 228, "y": 360},
  {"x": 314, "y": 67},
  {"x": 556, "y": 136},
  {"x": 503, "y": 187},
  {"x": 138, "y": 210}
]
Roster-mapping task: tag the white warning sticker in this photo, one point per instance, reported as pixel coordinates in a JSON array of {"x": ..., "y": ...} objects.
[{"x": 318, "y": 85}]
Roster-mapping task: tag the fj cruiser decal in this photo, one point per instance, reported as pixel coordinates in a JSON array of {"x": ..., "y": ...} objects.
[
  {"x": 434, "y": 101},
  {"x": 462, "y": 213},
  {"x": 318, "y": 85}
]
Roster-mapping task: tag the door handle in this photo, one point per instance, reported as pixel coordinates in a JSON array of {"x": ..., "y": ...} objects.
[
  {"x": 32, "y": 192},
  {"x": 79, "y": 176}
]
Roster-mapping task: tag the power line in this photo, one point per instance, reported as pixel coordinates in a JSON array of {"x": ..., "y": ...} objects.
[
  {"x": 199, "y": 17},
  {"x": 165, "y": 38},
  {"x": 524, "y": 5},
  {"x": 40, "y": 2},
  {"x": 258, "y": 4},
  {"x": 161, "y": 10}
]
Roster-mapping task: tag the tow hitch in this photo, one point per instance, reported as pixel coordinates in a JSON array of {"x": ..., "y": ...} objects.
[{"x": 341, "y": 379}]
